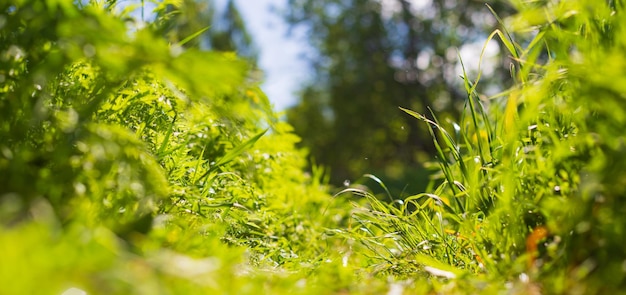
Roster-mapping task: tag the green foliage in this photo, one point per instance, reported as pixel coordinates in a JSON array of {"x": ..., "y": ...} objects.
[
  {"x": 193, "y": 23},
  {"x": 371, "y": 57},
  {"x": 529, "y": 195},
  {"x": 132, "y": 166}
]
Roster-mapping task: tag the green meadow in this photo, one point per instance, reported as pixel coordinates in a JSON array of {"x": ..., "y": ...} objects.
[{"x": 134, "y": 164}]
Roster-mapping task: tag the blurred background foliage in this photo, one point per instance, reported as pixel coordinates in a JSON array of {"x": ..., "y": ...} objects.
[
  {"x": 371, "y": 57},
  {"x": 220, "y": 30}
]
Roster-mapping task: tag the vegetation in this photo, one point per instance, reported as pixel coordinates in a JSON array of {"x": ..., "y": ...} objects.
[
  {"x": 130, "y": 165},
  {"x": 369, "y": 57}
]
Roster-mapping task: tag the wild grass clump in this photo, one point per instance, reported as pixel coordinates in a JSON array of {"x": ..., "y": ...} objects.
[
  {"x": 529, "y": 196},
  {"x": 132, "y": 166}
]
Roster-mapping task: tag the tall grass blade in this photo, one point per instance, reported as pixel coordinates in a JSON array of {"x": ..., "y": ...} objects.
[
  {"x": 193, "y": 36},
  {"x": 382, "y": 184}
]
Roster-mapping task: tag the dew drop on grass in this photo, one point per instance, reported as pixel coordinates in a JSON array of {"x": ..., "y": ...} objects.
[
  {"x": 80, "y": 188},
  {"x": 524, "y": 278}
]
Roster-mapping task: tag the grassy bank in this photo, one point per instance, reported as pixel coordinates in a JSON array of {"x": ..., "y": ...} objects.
[{"x": 129, "y": 165}]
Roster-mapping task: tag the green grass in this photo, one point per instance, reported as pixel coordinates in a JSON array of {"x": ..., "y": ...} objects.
[{"x": 138, "y": 171}]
